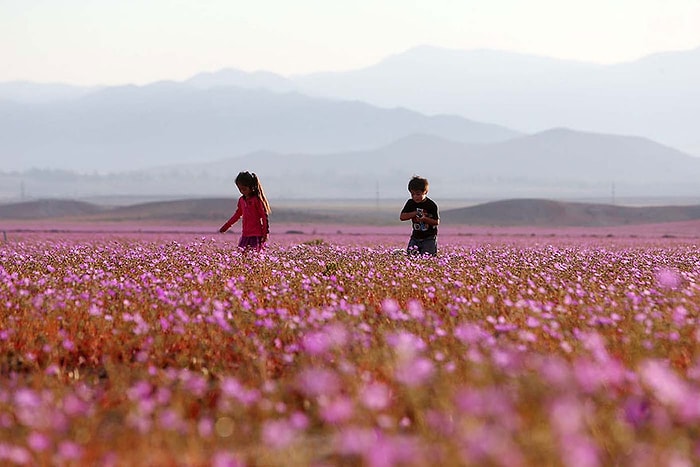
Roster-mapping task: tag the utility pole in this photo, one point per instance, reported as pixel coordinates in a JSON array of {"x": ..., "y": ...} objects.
[
  {"x": 377, "y": 194},
  {"x": 613, "y": 193}
]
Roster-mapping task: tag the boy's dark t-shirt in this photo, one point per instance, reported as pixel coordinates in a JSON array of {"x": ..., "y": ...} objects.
[{"x": 430, "y": 209}]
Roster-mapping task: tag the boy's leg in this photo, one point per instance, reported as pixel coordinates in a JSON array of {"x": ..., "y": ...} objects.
[
  {"x": 413, "y": 247},
  {"x": 429, "y": 246}
]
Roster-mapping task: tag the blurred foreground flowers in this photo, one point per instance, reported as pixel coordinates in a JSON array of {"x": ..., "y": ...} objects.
[{"x": 135, "y": 351}]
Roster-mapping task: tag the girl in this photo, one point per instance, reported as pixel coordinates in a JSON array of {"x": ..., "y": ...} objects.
[{"x": 254, "y": 209}]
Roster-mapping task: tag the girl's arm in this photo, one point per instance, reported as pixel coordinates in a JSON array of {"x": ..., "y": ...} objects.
[{"x": 236, "y": 215}]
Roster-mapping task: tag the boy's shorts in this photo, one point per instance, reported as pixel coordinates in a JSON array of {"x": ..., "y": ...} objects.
[{"x": 422, "y": 246}]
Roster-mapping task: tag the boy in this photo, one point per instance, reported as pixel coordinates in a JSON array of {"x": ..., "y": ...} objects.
[{"x": 423, "y": 214}]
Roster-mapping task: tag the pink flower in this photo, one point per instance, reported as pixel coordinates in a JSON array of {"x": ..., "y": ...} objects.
[
  {"x": 470, "y": 333},
  {"x": 567, "y": 415},
  {"x": 139, "y": 391},
  {"x": 406, "y": 345},
  {"x": 353, "y": 440},
  {"x": 27, "y": 398},
  {"x": 415, "y": 372},
  {"x": 637, "y": 411},
  {"x": 74, "y": 406},
  {"x": 579, "y": 451},
  {"x": 318, "y": 381},
  {"x": 595, "y": 344},
  {"x": 226, "y": 459},
  {"x": 205, "y": 427},
  {"x": 230, "y": 387},
  {"x": 299, "y": 421},
  {"x": 375, "y": 396},
  {"x": 668, "y": 278},
  {"x": 320, "y": 342},
  {"x": 38, "y": 441},
  {"x": 68, "y": 450},
  {"x": 15, "y": 454},
  {"x": 278, "y": 434},
  {"x": 532, "y": 322},
  {"x": 680, "y": 315},
  {"x": 315, "y": 343},
  {"x": 390, "y": 306},
  {"x": 668, "y": 387},
  {"x": 337, "y": 410},
  {"x": 415, "y": 309},
  {"x": 387, "y": 452}
]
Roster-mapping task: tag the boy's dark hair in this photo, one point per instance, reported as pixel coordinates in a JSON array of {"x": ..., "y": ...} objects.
[{"x": 418, "y": 184}]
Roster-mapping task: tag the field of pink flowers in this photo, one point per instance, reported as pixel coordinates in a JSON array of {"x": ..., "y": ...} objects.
[{"x": 178, "y": 349}]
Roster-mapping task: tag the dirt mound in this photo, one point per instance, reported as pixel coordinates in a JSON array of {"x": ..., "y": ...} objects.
[
  {"x": 48, "y": 208},
  {"x": 513, "y": 212},
  {"x": 539, "y": 212},
  {"x": 178, "y": 210},
  {"x": 214, "y": 210}
]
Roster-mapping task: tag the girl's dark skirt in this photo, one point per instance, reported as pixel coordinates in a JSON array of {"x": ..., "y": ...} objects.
[{"x": 251, "y": 242}]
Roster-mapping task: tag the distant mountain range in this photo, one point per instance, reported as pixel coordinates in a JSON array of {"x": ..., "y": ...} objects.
[
  {"x": 656, "y": 97},
  {"x": 592, "y": 130},
  {"x": 557, "y": 163},
  {"x": 126, "y": 128},
  {"x": 513, "y": 212}
]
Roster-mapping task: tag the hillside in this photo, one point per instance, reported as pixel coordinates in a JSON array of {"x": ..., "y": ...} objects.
[
  {"x": 214, "y": 210},
  {"x": 512, "y": 212},
  {"x": 48, "y": 209},
  {"x": 547, "y": 213}
]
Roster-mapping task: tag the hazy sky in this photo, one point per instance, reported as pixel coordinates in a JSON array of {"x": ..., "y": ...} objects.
[{"x": 140, "y": 41}]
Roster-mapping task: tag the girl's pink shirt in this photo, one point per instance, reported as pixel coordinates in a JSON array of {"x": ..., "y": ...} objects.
[{"x": 255, "y": 223}]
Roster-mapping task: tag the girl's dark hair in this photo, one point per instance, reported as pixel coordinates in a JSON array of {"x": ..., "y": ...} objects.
[{"x": 250, "y": 180}]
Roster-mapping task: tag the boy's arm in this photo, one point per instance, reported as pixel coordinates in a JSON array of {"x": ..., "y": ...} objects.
[
  {"x": 433, "y": 217},
  {"x": 407, "y": 216},
  {"x": 430, "y": 220}
]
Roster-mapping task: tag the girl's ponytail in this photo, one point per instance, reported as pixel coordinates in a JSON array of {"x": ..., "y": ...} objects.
[{"x": 261, "y": 193}]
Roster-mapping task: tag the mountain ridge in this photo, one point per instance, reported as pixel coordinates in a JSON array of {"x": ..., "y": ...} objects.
[
  {"x": 502, "y": 213},
  {"x": 654, "y": 96},
  {"x": 557, "y": 163},
  {"x": 132, "y": 127}
]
